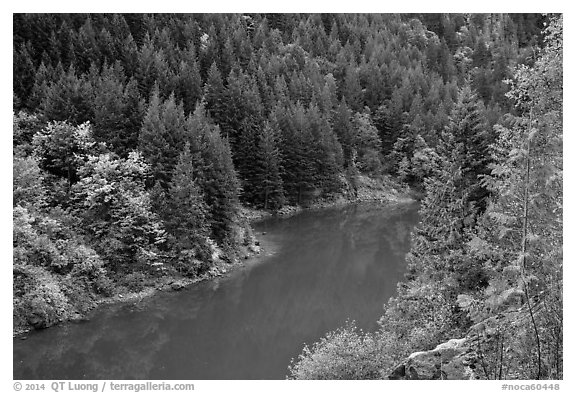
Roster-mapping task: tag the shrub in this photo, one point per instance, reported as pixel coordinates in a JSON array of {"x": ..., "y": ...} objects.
[
  {"x": 134, "y": 282},
  {"x": 42, "y": 303},
  {"x": 345, "y": 353}
]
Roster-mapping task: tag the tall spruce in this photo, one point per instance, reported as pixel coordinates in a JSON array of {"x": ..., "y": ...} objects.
[
  {"x": 162, "y": 136},
  {"x": 186, "y": 214},
  {"x": 216, "y": 175},
  {"x": 269, "y": 190}
]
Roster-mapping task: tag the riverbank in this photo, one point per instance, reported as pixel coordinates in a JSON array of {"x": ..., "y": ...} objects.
[
  {"x": 146, "y": 287},
  {"x": 315, "y": 271},
  {"x": 383, "y": 190}
]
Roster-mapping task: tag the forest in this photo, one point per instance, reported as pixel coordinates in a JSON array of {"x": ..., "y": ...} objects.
[{"x": 139, "y": 139}]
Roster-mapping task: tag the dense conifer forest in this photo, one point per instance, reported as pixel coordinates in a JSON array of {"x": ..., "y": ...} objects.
[{"x": 138, "y": 138}]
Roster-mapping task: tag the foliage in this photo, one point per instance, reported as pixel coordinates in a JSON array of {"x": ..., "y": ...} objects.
[
  {"x": 136, "y": 138},
  {"x": 486, "y": 259},
  {"x": 27, "y": 178},
  {"x": 345, "y": 353},
  {"x": 186, "y": 213},
  {"x": 114, "y": 208},
  {"x": 525, "y": 220},
  {"x": 62, "y": 148}
]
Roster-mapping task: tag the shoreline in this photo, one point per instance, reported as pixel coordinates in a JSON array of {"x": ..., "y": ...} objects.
[
  {"x": 165, "y": 284},
  {"x": 369, "y": 190}
]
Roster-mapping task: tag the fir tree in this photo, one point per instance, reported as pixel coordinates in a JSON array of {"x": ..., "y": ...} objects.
[
  {"x": 269, "y": 190},
  {"x": 215, "y": 94},
  {"x": 68, "y": 98},
  {"x": 186, "y": 213},
  {"x": 162, "y": 136},
  {"x": 470, "y": 140}
]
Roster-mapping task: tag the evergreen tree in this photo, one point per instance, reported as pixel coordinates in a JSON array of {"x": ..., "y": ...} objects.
[
  {"x": 269, "y": 190},
  {"x": 342, "y": 124},
  {"x": 221, "y": 187},
  {"x": 118, "y": 110},
  {"x": 298, "y": 147},
  {"x": 470, "y": 140},
  {"x": 215, "y": 94},
  {"x": 24, "y": 72},
  {"x": 68, "y": 98},
  {"x": 212, "y": 160},
  {"x": 162, "y": 136},
  {"x": 366, "y": 143},
  {"x": 188, "y": 86},
  {"x": 86, "y": 48},
  {"x": 186, "y": 213},
  {"x": 328, "y": 157},
  {"x": 42, "y": 79}
]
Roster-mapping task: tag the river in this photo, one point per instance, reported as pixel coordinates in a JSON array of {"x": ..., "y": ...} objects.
[{"x": 319, "y": 269}]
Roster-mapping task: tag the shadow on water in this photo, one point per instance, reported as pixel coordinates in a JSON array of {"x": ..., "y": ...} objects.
[{"x": 326, "y": 267}]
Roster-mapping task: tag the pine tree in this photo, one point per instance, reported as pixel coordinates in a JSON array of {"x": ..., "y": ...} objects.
[
  {"x": 86, "y": 48},
  {"x": 245, "y": 118},
  {"x": 342, "y": 123},
  {"x": 42, "y": 79},
  {"x": 471, "y": 140},
  {"x": 221, "y": 187},
  {"x": 152, "y": 68},
  {"x": 188, "y": 86},
  {"x": 269, "y": 191},
  {"x": 24, "y": 72},
  {"x": 298, "y": 150},
  {"x": 215, "y": 173},
  {"x": 215, "y": 94},
  {"x": 162, "y": 136},
  {"x": 118, "y": 110},
  {"x": 327, "y": 157},
  {"x": 366, "y": 143},
  {"x": 186, "y": 213},
  {"x": 352, "y": 89},
  {"x": 68, "y": 98}
]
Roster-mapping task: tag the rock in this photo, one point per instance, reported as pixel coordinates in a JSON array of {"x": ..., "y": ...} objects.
[
  {"x": 255, "y": 249},
  {"x": 450, "y": 360},
  {"x": 257, "y": 243},
  {"x": 263, "y": 233},
  {"x": 120, "y": 296},
  {"x": 38, "y": 322},
  {"x": 177, "y": 286}
]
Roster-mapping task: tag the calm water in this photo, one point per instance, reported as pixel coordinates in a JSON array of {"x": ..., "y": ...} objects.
[{"x": 319, "y": 269}]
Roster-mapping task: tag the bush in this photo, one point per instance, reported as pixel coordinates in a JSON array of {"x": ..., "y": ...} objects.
[
  {"x": 134, "y": 282},
  {"x": 345, "y": 353},
  {"x": 188, "y": 264},
  {"x": 103, "y": 285},
  {"x": 42, "y": 304}
]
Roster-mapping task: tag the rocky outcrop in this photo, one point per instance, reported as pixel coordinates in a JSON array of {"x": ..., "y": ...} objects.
[{"x": 454, "y": 359}]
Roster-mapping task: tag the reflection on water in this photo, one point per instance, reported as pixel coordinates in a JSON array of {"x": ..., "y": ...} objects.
[{"x": 326, "y": 267}]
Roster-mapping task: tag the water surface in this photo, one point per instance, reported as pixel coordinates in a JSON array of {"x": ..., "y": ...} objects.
[{"x": 319, "y": 269}]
